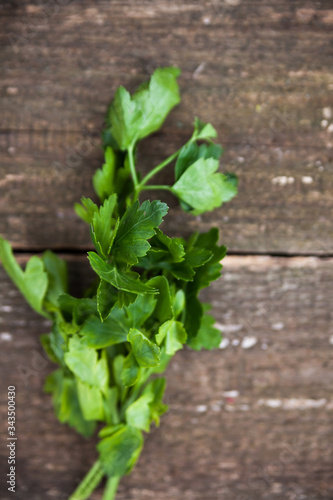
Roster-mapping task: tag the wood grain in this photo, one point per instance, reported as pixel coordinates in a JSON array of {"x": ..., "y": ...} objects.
[
  {"x": 37, "y": 201},
  {"x": 272, "y": 441},
  {"x": 259, "y": 71}
]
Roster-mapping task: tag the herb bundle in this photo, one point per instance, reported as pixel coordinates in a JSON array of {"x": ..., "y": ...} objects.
[{"x": 112, "y": 344}]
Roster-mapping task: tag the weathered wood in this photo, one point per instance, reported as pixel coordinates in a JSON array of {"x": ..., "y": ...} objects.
[
  {"x": 259, "y": 71},
  {"x": 272, "y": 441},
  {"x": 276, "y": 210},
  {"x": 235, "y": 56}
]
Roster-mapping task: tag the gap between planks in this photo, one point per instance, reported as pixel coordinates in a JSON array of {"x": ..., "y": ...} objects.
[{"x": 234, "y": 260}]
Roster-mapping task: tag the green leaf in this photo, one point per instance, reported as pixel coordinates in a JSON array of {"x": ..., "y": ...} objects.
[
  {"x": 204, "y": 275},
  {"x": 108, "y": 430},
  {"x": 156, "y": 389},
  {"x": 32, "y": 282},
  {"x": 136, "y": 226},
  {"x": 146, "y": 352},
  {"x": 191, "y": 152},
  {"x": 83, "y": 309},
  {"x": 173, "y": 334},
  {"x": 126, "y": 298},
  {"x": 103, "y": 226},
  {"x": 87, "y": 210},
  {"x": 57, "y": 344},
  {"x": 203, "y": 130},
  {"x": 141, "y": 309},
  {"x": 122, "y": 280},
  {"x": 118, "y": 365},
  {"x": 111, "y": 406},
  {"x": 157, "y": 99},
  {"x": 131, "y": 370},
  {"x": 188, "y": 155},
  {"x": 165, "y": 360},
  {"x": 197, "y": 257},
  {"x": 124, "y": 116},
  {"x": 133, "y": 118},
  {"x": 194, "y": 257},
  {"x": 232, "y": 179},
  {"x": 164, "y": 251},
  {"x": 208, "y": 337},
  {"x": 112, "y": 331},
  {"x": 106, "y": 299},
  {"x": 84, "y": 363},
  {"x": 210, "y": 151},
  {"x": 46, "y": 343},
  {"x": 66, "y": 402},
  {"x": 103, "y": 179},
  {"x": 211, "y": 270},
  {"x": 163, "y": 309},
  {"x": 202, "y": 188},
  {"x": 138, "y": 414},
  {"x": 120, "y": 451},
  {"x": 172, "y": 245},
  {"x": 91, "y": 401},
  {"x": 56, "y": 269},
  {"x": 76, "y": 309},
  {"x": 178, "y": 303}
]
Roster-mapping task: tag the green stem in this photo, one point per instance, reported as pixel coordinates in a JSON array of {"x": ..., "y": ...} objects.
[
  {"x": 132, "y": 166},
  {"x": 111, "y": 488},
  {"x": 158, "y": 168},
  {"x": 167, "y": 188},
  {"x": 89, "y": 483},
  {"x": 136, "y": 390}
]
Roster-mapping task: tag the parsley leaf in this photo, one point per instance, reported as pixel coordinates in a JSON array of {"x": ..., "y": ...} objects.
[
  {"x": 120, "y": 279},
  {"x": 86, "y": 210},
  {"x": 130, "y": 370},
  {"x": 91, "y": 401},
  {"x": 203, "y": 130},
  {"x": 120, "y": 451},
  {"x": 103, "y": 179},
  {"x": 173, "y": 334},
  {"x": 133, "y": 118},
  {"x": 56, "y": 269},
  {"x": 103, "y": 226},
  {"x": 112, "y": 331},
  {"x": 138, "y": 413},
  {"x": 202, "y": 188},
  {"x": 124, "y": 116},
  {"x": 32, "y": 282},
  {"x": 208, "y": 337},
  {"x": 157, "y": 99},
  {"x": 156, "y": 389},
  {"x": 191, "y": 152},
  {"x": 146, "y": 352},
  {"x": 204, "y": 275},
  {"x": 106, "y": 299},
  {"x": 84, "y": 363},
  {"x": 163, "y": 309},
  {"x": 136, "y": 226}
]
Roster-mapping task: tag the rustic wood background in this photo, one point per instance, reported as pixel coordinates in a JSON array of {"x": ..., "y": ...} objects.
[{"x": 246, "y": 423}]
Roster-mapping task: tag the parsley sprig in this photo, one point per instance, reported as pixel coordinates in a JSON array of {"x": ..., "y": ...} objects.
[{"x": 112, "y": 344}]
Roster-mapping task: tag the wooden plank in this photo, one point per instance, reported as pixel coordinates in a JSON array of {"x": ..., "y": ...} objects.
[
  {"x": 260, "y": 71},
  {"x": 285, "y": 200},
  {"x": 247, "y": 66},
  {"x": 271, "y": 439}
]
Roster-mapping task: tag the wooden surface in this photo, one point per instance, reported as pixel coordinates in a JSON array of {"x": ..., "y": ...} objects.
[
  {"x": 272, "y": 441},
  {"x": 261, "y": 72}
]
